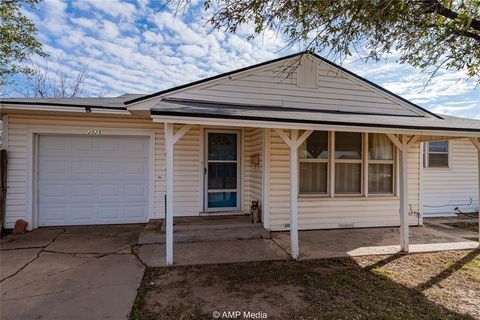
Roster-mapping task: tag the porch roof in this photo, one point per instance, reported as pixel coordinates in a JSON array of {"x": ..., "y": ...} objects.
[{"x": 304, "y": 116}]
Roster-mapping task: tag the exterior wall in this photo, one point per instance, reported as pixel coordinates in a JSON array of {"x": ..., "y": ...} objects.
[
  {"x": 323, "y": 212},
  {"x": 278, "y": 85},
  {"x": 314, "y": 212},
  {"x": 188, "y": 162},
  {"x": 188, "y": 178},
  {"x": 444, "y": 189}
]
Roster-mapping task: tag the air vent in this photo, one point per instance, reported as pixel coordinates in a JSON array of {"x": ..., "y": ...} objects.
[
  {"x": 346, "y": 225},
  {"x": 307, "y": 72},
  {"x": 287, "y": 225}
]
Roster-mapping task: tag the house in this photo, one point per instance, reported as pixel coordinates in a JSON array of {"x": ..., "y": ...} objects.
[
  {"x": 449, "y": 178},
  {"x": 317, "y": 145}
]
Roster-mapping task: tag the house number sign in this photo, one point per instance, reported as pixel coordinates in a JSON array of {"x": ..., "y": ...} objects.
[{"x": 94, "y": 132}]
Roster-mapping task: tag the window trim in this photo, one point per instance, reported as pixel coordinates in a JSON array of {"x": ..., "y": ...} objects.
[
  {"x": 331, "y": 161},
  {"x": 317, "y": 160},
  {"x": 350, "y": 161},
  {"x": 393, "y": 162},
  {"x": 426, "y": 156}
]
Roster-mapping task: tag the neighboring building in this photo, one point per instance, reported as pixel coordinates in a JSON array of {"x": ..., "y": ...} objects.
[
  {"x": 319, "y": 148},
  {"x": 449, "y": 178}
]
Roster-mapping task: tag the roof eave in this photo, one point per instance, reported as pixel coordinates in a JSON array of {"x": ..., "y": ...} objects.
[{"x": 306, "y": 124}]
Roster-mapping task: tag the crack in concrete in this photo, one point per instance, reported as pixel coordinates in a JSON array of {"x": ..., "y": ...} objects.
[
  {"x": 134, "y": 252},
  {"x": 90, "y": 259},
  {"x": 23, "y": 248},
  {"x": 36, "y": 257}
]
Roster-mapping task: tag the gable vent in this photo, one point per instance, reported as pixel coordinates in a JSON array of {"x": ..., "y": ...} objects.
[{"x": 307, "y": 72}]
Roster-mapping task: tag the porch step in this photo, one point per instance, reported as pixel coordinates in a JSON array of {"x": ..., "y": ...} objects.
[{"x": 200, "y": 229}]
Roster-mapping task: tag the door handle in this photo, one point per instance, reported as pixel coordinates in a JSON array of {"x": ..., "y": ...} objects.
[{"x": 205, "y": 171}]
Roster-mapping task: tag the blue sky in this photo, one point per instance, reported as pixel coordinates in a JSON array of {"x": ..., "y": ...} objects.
[{"x": 142, "y": 47}]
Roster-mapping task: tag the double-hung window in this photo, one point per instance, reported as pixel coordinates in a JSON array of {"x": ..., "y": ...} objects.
[
  {"x": 313, "y": 159},
  {"x": 380, "y": 164},
  {"x": 436, "y": 154},
  {"x": 348, "y": 162}
]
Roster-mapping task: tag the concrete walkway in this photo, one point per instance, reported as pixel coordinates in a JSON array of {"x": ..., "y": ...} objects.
[
  {"x": 318, "y": 244},
  {"x": 71, "y": 273}
]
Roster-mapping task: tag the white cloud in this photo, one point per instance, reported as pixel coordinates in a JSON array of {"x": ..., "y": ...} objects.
[
  {"x": 131, "y": 47},
  {"x": 109, "y": 30},
  {"x": 193, "y": 51}
]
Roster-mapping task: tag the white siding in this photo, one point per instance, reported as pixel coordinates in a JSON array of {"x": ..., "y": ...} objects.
[
  {"x": 255, "y": 148},
  {"x": 338, "y": 212},
  {"x": 444, "y": 189},
  {"x": 187, "y": 166},
  {"x": 313, "y": 212},
  {"x": 278, "y": 85},
  {"x": 16, "y": 202}
]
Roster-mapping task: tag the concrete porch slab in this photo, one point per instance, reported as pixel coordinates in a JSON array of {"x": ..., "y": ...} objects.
[
  {"x": 213, "y": 252},
  {"x": 318, "y": 244},
  {"x": 203, "y": 229}
]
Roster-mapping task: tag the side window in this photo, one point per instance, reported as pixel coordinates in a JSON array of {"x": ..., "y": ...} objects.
[{"x": 436, "y": 154}]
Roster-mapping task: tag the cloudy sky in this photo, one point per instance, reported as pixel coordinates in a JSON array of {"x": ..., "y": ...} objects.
[{"x": 143, "y": 47}]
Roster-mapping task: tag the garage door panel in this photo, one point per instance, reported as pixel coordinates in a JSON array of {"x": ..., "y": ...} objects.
[
  {"x": 83, "y": 192},
  {"x": 93, "y": 180},
  {"x": 134, "y": 168},
  {"x": 84, "y": 144},
  {"x": 135, "y": 211},
  {"x": 111, "y": 212},
  {"x": 81, "y": 213},
  {"x": 52, "y": 168},
  {"x": 106, "y": 169},
  {"x": 52, "y": 215}
]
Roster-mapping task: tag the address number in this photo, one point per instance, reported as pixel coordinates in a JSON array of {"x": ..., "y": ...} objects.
[{"x": 94, "y": 132}]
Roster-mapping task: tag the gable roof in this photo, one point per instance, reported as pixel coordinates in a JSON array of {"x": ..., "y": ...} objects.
[{"x": 228, "y": 74}]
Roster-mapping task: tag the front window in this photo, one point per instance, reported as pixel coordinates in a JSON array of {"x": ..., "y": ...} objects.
[
  {"x": 380, "y": 164},
  {"x": 436, "y": 154},
  {"x": 361, "y": 164},
  {"x": 348, "y": 163},
  {"x": 314, "y": 163}
]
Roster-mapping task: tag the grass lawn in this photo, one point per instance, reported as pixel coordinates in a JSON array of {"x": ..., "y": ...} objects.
[
  {"x": 470, "y": 226},
  {"x": 418, "y": 286}
]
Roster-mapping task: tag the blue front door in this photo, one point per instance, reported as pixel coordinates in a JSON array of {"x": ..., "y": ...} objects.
[{"x": 222, "y": 170}]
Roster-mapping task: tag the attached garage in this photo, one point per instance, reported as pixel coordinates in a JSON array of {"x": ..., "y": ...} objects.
[{"x": 86, "y": 180}]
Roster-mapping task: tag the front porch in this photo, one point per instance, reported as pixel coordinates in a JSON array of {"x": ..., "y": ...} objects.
[
  {"x": 310, "y": 178},
  {"x": 314, "y": 244}
]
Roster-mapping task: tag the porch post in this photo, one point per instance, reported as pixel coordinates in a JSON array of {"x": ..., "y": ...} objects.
[
  {"x": 170, "y": 139},
  {"x": 294, "y": 142},
  {"x": 169, "y": 198},
  {"x": 294, "y": 195},
  {"x": 404, "y": 232},
  {"x": 476, "y": 143}
]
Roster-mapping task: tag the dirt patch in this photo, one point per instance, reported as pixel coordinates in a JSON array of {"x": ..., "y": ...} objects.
[{"x": 421, "y": 286}]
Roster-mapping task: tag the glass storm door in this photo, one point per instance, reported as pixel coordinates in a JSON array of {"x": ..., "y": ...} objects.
[{"x": 222, "y": 171}]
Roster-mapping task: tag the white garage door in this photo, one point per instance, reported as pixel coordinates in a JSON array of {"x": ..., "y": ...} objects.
[{"x": 92, "y": 180}]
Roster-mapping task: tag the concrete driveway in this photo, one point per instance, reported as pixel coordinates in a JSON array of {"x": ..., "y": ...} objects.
[{"x": 70, "y": 273}]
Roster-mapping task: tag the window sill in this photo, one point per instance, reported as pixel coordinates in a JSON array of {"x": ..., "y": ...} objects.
[{"x": 347, "y": 197}]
